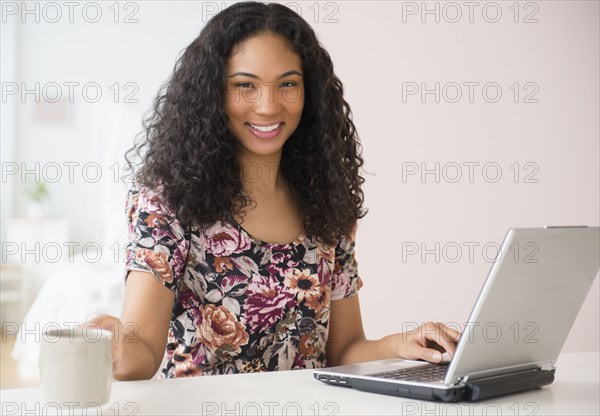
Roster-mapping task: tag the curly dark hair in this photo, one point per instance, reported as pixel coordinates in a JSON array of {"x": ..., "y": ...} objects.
[{"x": 191, "y": 153}]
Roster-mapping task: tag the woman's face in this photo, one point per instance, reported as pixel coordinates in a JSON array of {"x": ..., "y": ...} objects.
[{"x": 265, "y": 93}]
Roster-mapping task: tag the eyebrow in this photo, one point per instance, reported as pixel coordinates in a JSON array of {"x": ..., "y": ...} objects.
[{"x": 248, "y": 74}]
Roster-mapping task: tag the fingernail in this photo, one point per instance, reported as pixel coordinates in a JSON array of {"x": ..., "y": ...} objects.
[{"x": 437, "y": 356}]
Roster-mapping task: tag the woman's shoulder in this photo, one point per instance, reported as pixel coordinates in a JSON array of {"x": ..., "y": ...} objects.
[{"x": 148, "y": 199}]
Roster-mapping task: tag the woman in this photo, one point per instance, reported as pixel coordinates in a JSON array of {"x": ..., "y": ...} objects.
[{"x": 243, "y": 218}]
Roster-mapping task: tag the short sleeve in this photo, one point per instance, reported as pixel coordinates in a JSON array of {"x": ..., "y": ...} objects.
[
  {"x": 346, "y": 281},
  {"x": 157, "y": 240}
]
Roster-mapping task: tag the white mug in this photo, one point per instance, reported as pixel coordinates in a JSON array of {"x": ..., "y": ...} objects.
[{"x": 76, "y": 366}]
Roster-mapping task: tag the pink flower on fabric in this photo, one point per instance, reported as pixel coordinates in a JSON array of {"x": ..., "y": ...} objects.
[
  {"x": 281, "y": 263},
  {"x": 151, "y": 201},
  {"x": 266, "y": 303},
  {"x": 341, "y": 285},
  {"x": 223, "y": 240}
]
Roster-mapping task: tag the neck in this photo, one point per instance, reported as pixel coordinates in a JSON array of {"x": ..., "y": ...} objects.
[{"x": 260, "y": 174}]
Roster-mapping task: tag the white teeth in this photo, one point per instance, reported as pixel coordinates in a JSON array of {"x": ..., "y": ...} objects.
[{"x": 265, "y": 128}]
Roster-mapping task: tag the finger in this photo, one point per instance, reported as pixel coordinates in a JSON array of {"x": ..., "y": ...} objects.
[
  {"x": 447, "y": 341},
  {"x": 442, "y": 345},
  {"x": 434, "y": 346},
  {"x": 438, "y": 337},
  {"x": 98, "y": 317},
  {"x": 101, "y": 321},
  {"x": 416, "y": 350},
  {"x": 428, "y": 354},
  {"x": 450, "y": 333}
]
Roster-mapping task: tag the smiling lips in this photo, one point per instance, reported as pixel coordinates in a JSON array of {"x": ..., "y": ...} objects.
[{"x": 265, "y": 132}]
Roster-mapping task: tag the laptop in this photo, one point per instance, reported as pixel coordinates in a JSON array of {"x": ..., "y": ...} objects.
[{"x": 515, "y": 332}]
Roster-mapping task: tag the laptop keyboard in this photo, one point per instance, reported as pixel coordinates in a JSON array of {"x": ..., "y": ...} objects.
[{"x": 423, "y": 373}]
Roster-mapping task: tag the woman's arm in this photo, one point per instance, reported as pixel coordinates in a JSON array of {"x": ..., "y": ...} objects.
[
  {"x": 347, "y": 343},
  {"x": 140, "y": 335}
]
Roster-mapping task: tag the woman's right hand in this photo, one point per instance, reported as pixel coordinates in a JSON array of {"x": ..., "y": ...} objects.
[{"x": 119, "y": 334}]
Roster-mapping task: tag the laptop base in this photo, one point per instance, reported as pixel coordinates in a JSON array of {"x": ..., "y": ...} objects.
[{"x": 479, "y": 389}]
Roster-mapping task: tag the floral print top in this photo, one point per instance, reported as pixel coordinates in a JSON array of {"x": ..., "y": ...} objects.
[{"x": 241, "y": 305}]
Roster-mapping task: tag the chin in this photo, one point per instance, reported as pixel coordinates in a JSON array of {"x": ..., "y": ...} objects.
[{"x": 265, "y": 148}]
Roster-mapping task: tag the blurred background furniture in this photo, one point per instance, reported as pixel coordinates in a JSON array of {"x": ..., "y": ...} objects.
[
  {"x": 33, "y": 248},
  {"x": 11, "y": 293}
]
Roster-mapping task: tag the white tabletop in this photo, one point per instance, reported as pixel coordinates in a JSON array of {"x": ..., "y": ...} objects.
[{"x": 575, "y": 391}]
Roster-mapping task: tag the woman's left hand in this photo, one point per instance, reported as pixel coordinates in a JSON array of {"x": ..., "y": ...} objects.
[{"x": 432, "y": 341}]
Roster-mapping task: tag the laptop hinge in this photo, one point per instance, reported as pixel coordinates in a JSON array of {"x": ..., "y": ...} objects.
[{"x": 547, "y": 365}]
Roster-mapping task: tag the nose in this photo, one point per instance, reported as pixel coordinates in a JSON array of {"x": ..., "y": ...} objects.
[{"x": 269, "y": 101}]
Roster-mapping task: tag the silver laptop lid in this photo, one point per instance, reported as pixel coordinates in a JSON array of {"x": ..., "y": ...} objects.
[{"x": 529, "y": 301}]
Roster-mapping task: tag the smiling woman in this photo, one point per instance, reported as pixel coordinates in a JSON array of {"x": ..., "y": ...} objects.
[
  {"x": 238, "y": 272},
  {"x": 261, "y": 65}
]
